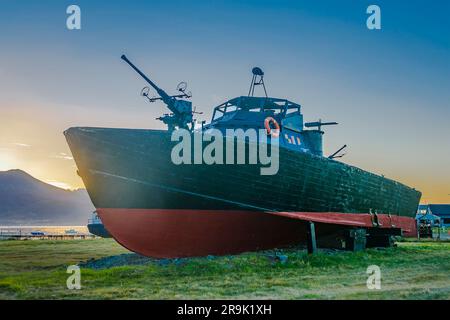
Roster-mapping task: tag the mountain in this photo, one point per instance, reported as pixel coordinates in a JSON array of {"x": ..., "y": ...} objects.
[{"x": 25, "y": 200}]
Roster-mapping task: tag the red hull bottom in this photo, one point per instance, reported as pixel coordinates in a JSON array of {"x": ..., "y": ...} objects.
[{"x": 162, "y": 233}]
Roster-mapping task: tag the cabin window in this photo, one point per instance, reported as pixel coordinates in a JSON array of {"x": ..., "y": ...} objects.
[
  {"x": 293, "y": 110},
  {"x": 217, "y": 115},
  {"x": 230, "y": 109}
]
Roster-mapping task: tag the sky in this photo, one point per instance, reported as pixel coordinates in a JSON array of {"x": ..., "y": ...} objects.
[{"x": 388, "y": 89}]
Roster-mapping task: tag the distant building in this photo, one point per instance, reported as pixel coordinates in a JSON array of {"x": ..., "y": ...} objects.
[
  {"x": 442, "y": 211},
  {"x": 438, "y": 214}
]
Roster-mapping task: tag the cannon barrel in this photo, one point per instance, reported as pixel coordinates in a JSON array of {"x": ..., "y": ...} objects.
[
  {"x": 164, "y": 96},
  {"x": 318, "y": 124}
]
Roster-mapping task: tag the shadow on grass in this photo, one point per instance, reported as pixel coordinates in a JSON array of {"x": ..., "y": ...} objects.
[{"x": 125, "y": 259}]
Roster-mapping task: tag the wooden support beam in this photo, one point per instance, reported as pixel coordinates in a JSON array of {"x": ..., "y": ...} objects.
[
  {"x": 311, "y": 237},
  {"x": 356, "y": 240}
]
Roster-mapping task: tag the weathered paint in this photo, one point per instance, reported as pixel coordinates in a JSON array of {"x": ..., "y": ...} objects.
[
  {"x": 128, "y": 168},
  {"x": 171, "y": 233},
  {"x": 166, "y": 233}
]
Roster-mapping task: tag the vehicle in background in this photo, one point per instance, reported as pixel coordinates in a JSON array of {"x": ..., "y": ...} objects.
[{"x": 96, "y": 227}]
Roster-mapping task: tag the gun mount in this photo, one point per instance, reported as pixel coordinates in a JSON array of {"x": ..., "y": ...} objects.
[{"x": 181, "y": 110}]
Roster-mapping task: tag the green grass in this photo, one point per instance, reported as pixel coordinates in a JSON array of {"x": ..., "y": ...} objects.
[{"x": 37, "y": 270}]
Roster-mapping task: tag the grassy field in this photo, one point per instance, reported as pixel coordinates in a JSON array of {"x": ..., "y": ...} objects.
[{"x": 37, "y": 270}]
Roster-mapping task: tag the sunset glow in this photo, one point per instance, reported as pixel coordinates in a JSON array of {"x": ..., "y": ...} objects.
[
  {"x": 60, "y": 184},
  {"x": 388, "y": 90},
  {"x": 6, "y": 161}
]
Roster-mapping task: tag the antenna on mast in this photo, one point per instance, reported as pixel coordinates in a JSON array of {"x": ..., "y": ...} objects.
[{"x": 257, "y": 80}]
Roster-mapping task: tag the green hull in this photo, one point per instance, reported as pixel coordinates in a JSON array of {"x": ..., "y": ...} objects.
[{"x": 132, "y": 168}]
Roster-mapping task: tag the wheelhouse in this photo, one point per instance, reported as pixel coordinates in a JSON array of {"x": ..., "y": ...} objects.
[
  {"x": 268, "y": 106},
  {"x": 250, "y": 112}
]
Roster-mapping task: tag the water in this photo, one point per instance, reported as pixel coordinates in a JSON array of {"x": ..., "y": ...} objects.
[{"x": 47, "y": 230}]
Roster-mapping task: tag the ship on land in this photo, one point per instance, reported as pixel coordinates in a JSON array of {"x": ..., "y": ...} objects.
[{"x": 162, "y": 209}]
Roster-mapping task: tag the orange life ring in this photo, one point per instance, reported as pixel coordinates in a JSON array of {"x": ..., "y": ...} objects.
[{"x": 276, "y": 131}]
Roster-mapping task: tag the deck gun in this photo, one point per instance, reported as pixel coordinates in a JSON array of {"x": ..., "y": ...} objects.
[
  {"x": 319, "y": 124},
  {"x": 181, "y": 110}
]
